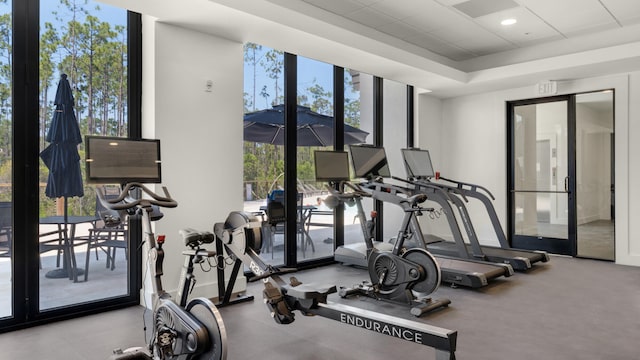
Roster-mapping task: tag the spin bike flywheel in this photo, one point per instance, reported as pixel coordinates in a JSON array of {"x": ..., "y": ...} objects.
[
  {"x": 384, "y": 270},
  {"x": 209, "y": 316},
  {"x": 432, "y": 278}
]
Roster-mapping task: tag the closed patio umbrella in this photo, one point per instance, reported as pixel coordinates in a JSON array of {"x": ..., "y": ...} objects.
[{"x": 61, "y": 157}]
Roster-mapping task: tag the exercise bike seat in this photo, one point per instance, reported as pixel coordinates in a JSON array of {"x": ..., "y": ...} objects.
[
  {"x": 309, "y": 291},
  {"x": 194, "y": 238}
]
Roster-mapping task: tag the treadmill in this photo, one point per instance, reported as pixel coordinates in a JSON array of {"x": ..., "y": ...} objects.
[
  {"x": 370, "y": 163},
  {"x": 420, "y": 172}
]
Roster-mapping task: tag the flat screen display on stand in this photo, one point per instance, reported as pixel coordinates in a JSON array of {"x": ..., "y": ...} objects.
[
  {"x": 369, "y": 161},
  {"x": 331, "y": 165},
  {"x": 115, "y": 160},
  {"x": 418, "y": 163}
]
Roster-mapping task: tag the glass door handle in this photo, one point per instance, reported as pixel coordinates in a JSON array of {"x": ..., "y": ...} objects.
[{"x": 566, "y": 184}]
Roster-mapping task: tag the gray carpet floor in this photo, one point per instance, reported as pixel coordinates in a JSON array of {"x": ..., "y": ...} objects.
[{"x": 565, "y": 309}]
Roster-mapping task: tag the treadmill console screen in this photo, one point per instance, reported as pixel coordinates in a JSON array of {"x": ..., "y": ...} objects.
[
  {"x": 418, "y": 163},
  {"x": 331, "y": 165},
  {"x": 369, "y": 161}
]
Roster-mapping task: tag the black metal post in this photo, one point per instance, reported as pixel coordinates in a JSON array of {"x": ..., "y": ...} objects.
[{"x": 290, "y": 152}]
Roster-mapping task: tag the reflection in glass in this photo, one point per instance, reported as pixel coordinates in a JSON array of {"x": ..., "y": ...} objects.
[
  {"x": 595, "y": 175},
  {"x": 541, "y": 170}
]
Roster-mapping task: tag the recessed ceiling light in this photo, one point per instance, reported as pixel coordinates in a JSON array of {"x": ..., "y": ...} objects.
[{"x": 507, "y": 22}]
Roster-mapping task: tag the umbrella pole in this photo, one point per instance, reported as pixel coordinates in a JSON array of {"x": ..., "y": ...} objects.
[
  {"x": 69, "y": 265},
  {"x": 72, "y": 266}
]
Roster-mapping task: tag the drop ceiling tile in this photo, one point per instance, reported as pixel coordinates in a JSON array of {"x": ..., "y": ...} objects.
[
  {"x": 624, "y": 10},
  {"x": 434, "y": 16},
  {"x": 339, "y": 7},
  {"x": 450, "y": 2},
  {"x": 484, "y": 43},
  {"x": 367, "y": 2},
  {"x": 476, "y": 8},
  {"x": 570, "y": 15},
  {"x": 466, "y": 30},
  {"x": 403, "y": 9},
  {"x": 369, "y": 17},
  {"x": 399, "y": 29},
  {"x": 528, "y": 28},
  {"x": 439, "y": 47}
]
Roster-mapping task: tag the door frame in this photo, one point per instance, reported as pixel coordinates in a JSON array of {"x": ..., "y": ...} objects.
[{"x": 554, "y": 245}]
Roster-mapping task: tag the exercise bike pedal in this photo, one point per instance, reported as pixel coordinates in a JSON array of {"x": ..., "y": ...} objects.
[
  {"x": 131, "y": 354},
  {"x": 365, "y": 288}
]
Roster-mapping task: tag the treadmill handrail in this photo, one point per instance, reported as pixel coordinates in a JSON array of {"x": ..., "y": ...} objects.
[
  {"x": 474, "y": 187},
  {"x": 435, "y": 187}
]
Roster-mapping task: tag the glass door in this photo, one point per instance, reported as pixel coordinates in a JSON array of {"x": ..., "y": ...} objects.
[{"x": 542, "y": 169}]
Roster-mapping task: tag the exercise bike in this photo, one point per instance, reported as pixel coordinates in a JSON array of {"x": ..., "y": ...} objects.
[
  {"x": 181, "y": 331},
  {"x": 399, "y": 275}
]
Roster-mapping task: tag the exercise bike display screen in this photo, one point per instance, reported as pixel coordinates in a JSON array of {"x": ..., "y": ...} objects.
[
  {"x": 369, "y": 161},
  {"x": 331, "y": 165},
  {"x": 115, "y": 160},
  {"x": 418, "y": 163}
]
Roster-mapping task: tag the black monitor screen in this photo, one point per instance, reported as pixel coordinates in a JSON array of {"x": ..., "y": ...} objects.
[
  {"x": 369, "y": 161},
  {"x": 114, "y": 160},
  {"x": 331, "y": 165},
  {"x": 418, "y": 163}
]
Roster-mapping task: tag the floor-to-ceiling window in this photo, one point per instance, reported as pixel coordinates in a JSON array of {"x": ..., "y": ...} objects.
[
  {"x": 264, "y": 139},
  {"x": 6, "y": 165},
  {"x": 85, "y": 45},
  {"x": 85, "y": 58},
  {"x": 315, "y": 124},
  {"x": 266, "y": 173}
]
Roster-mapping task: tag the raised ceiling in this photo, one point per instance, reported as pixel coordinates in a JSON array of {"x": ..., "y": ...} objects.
[
  {"x": 466, "y": 29},
  {"x": 448, "y": 47}
]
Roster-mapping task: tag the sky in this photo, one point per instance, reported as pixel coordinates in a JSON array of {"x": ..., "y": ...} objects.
[{"x": 309, "y": 71}]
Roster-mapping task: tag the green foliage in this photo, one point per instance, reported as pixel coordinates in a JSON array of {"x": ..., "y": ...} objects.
[{"x": 93, "y": 54}]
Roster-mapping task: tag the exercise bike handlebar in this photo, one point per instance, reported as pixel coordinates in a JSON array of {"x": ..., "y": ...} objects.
[{"x": 125, "y": 202}]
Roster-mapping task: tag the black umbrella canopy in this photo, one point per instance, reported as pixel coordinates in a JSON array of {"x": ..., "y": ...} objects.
[
  {"x": 314, "y": 129},
  {"x": 61, "y": 156}
]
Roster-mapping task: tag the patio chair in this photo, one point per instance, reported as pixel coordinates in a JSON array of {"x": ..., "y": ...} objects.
[
  {"x": 108, "y": 234},
  {"x": 276, "y": 217},
  {"x": 6, "y": 230}
]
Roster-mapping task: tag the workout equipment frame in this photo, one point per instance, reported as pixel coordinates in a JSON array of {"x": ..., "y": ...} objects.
[
  {"x": 191, "y": 330},
  {"x": 240, "y": 234}
]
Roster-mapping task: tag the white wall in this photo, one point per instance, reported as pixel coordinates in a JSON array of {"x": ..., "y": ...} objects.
[
  {"x": 200, "y": 133},
  {"x": 472, "y": 147}
]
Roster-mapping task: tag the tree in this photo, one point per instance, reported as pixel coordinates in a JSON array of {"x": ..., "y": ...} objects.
[
  {"x": 251, "y": 58},
  {"x": 273, "y": 63}
]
